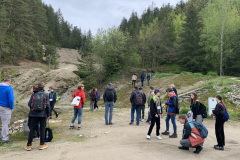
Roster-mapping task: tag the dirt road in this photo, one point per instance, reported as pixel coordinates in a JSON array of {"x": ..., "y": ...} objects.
[{"x": 121, "y": 141}]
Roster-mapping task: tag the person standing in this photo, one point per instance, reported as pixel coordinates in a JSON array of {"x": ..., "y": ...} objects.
[
  {"x": 150, "y": 96},
  {"x": 136, "y": 100},
  {"x": 142, "y": 78},
  {"x": 53, "y": 100},
  {"x": 93, "y": 98},
  {"x": 196, "y": 108},
  {"x": 134, "y": 79},
  {"x": 39, "y": 113},
  {"x": 6, "y": 107},
  {"x": 78, "y": 109},
  {"x": 148, "y": 77},
  {"x": 109, "y": 97},
  {"x": 142, "y": 109},
  {"x": 174, "y": 89},
  {"x": 155, "y": 111},
  {"x": 172, "y": 105},
  {"x": 191, "y": 136},
  {"x": 97, "y": 99},
  {"x": 219, "y": 124}
]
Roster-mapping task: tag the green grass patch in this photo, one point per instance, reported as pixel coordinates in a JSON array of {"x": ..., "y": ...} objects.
[{"x": 161, "y": 75}]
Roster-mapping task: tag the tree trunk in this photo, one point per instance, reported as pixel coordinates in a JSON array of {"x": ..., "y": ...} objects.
[{"x": 221, "y": 55}]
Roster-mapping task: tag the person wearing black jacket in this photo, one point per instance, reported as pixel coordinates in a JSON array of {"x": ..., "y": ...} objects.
[
  {"x": 219, "y": 124},
  {"x": 155, "y": 111},
  {"x": 142, "y": 109},
  {"x": 53, "y": 100},
  {"x": 36, "y": 116},
  {"x": 196, "y": 108}
]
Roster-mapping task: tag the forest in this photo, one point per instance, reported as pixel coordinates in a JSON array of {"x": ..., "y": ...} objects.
[{"x": 196, "y": 36}]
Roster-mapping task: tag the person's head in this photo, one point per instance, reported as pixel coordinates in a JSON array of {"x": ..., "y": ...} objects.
[
  {"x": 182, "y": 119},
  {"x": 94, "y": 90},
  {"x": 169, "y": 91},
  {"x": 41, "y": 85},
  {"x": 157, "y": 92},
  {"x": 140, "y": 89},
  {"x": 81, "y": 86},
  {"x": 33, "y": 88},
  {"x": 136, "y": 88},
  {"x": 51, "y": 89},
  {"x": 219, "y": 98},
  {"x": 193, "y": 97},
  {"x": 7, "y": 80},
  {"x": 151, "y": 89},
  {"x": 172, "y": 85},
  {"x": 109, "y": 85}
]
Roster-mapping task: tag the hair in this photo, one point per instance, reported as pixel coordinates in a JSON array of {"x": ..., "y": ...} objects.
[
  {"x": 140, "y": 89},
  {"x": 51, "y": 87},
  {"x": 152, "y": 88},
  {"x": 169, "y": 90},
  {"x": 109, "y": 85},
  {"x": 182, "y": 117},
  {"x": 41, "y": 85},
  {"x": 193, "y": 101},
  {"x": 35, "y": 86},
  {"x": 172, "y": 85},
  {"x": 6, "y": 80},
  {"x": 94, "y": 90},
  {"x": 136, "y": 87},
  {"x": 80, "y": 86},
  {"x": 221, "y": 99}
]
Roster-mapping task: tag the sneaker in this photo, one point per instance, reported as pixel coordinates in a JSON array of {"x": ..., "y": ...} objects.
[
  {"x": 183, "y": 148},
  {"x": 198, "y": 149},
  {"x": 110, "y": 123},
  {"x": 137, "y": 124},
  {"x": 7, "y": 141},
  {"x": 57, "y": 115},
  {"x": 28, "y": 148},
  {"x": 148, "y": 137},
  {"x": 130, "y": 123},
  {"x": 158, "y": 137},
  {"x": 219, "y": 148},
  {"x": 44, "y": 146},
  {"x": 79, "y": 127},
  {"x": 173, "y": 136},
  {"x": 71, "y": 127},
  {"x": 142, "y": 120},
  {"x": 165, "y": 133},
  {"x": 106, "y": 123}
]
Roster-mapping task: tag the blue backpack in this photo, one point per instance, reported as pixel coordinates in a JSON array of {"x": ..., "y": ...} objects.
[
  {"x": 201, "y": 128},
  {"x": 225, "y": 113}
]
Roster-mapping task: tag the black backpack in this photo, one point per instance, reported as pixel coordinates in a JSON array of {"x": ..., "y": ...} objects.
[
  {"x": 109, "y": 95},
  {"x": 48, "y": 135},
  {"x": 203, "y": 110},
  {"x": 138, "y": 99},
  {"x": 39, "y": 101}
]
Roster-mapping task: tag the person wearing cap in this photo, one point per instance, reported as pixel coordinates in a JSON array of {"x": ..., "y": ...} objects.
[
  {"x": 6, "y": 107},
  {"x": 53, "y": 99},
  {"x": 156, "y": 112}
]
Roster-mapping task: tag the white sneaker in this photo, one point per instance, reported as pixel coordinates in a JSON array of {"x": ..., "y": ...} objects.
[
  {"x": 148, "y": 137},
  {"x": 142, "y": 120},
  {"x": 158, "y": 137}
]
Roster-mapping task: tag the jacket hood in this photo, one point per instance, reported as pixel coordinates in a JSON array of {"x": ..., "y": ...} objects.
[
  {"x": 38, "y": 89},
  {"x": 3, "y": 84},
  {"x": 110, "y": 88}
]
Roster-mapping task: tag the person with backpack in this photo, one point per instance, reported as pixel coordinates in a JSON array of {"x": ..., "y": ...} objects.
[
  {"x": 174, "y": 89},
  {"x": 78, "y": 110},
  {"x": 191, "y": 135},
  {"x": 39, "y": 112},
  {"x": 97, "y": 99},
  {"x": 109, "y": 97},
  {"x": 150, "y": 96},
  {"x": 218, "y": 112},
  {"x": 93, "y": 98},
  {"x": 172, "y": 106},
  {"x": 134, "y": 79},
  {"x": 148, "y": 77},
  {"x": 142, "y": 109},
  {"x": 196, "y": 108},
  {"x": 155, "y": 111},
  {"x": 142, "y": 78},
  {"x": 137, "y": 101},
  {"x": 53, "y": 100}
]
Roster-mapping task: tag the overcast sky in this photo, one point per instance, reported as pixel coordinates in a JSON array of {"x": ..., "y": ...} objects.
[{"x": 94, "y": 14}]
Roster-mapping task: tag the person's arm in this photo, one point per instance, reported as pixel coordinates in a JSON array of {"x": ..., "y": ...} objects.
[
  {"x": 48, "y": 109},
  {"x": 30, "y": 101},
  {"x": 152, "y": 108},
  {"x": 144, "y": 99},
  {"x": 55, "y": 96},
  {"x": 115, "y": 96},
  {"x": 187, "y": 131},
  {"x": 218, "y": 110},
  {"x": 172, "y": 102},
  {"x": 11, "y": 98},
  {"x": 104, "y": 96},
  {"x": 131, "y": 97},
  {"x": 83, "y": 98}
]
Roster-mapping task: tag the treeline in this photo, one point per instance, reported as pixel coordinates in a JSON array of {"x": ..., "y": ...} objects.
[{"x": 27, "y": 25}]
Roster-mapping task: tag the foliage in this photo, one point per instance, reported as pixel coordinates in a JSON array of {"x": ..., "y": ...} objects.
[
  {"x": 161, "y": 75},
  {"x": 213, "y": 74}
]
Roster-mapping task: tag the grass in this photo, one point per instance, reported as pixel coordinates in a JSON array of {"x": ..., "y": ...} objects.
[{"x": 161, "y": 75}]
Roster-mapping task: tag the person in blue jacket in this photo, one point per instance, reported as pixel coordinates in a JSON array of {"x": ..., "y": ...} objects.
[
  {"x": 6, "y": 107},
  {"x": 142, "y": 77}
]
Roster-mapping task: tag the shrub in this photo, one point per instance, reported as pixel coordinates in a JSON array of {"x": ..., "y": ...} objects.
[
  {"x": 183, "y": 73},
  {"x": 225, "y": 90},
  {"x": 214, "y": 74},
  {"x": 184, "y": 110}
]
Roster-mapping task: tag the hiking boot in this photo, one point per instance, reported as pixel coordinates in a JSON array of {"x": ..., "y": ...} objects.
[
  {"x": 28, "y": 148},
  {"x": 219, "y": 148},
  {"x": 57, "y": 115},
  {"x": 165, "y": 133},
  {"x": 158, "y": 137},
  {"x": 106, "y": 123},
  {"x": 173, "y": 136},
  {"x": 198, "y": 149},
  {"x": 148, "y": 137},
  {"x": 79, "y": 127},
  {"x": 44, "y": 146},
  {"x": 183, "y": 148},
  {"x": 110, "y": 123},
  {"x": 130, "y": 123},
  {"x": 7, "y": 141},
  {"x": 71, "y": 127}
]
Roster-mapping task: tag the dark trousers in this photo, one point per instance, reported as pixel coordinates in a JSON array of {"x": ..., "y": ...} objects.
[
  {"x": 219, "y": 131},
  {"x": 33, "y": 122},
  {"x": 133, "y": 82},
  {"x": 142, "y": 110},
  {"x": 153, "y": 121},
  {"x": 95, "y": 105},
  {"x": 52, "y": 103}
]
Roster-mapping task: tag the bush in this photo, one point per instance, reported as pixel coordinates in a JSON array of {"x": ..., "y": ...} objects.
[
  {"x": 208, "y": 85},
  {"x": 184, "y": 110},
  {"x": 225, "y": 90},
  {"x": 213, "y": 74},
  {"x": 184, "y": 73}
]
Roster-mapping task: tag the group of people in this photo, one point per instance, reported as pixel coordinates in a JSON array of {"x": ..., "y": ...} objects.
[
  {"x": 142, "y": 77},
  {"x": 42, "y": 104}
]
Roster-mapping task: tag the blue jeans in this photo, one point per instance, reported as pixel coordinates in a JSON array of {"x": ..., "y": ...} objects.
[
  {"x": 172, "y": 117},
  {"x": 107, "y": 106},
  {"x": 77, "y": 113},
  {"x": 142, "y": 80},
  {"x": 148, "y": 79},
  {"x": 149, "y": 118},
  {"x": 137, "y": 108}
]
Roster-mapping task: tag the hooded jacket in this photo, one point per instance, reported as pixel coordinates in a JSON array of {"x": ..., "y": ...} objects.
[
  {"x": 6, "y": 96},
  {"x": 81, "y": 94},
  {"x": 44, "y": 113},
  {"x": 154, "y": 103},
  {"x": 171, "y": 104},
  {"x": 108, "y": 90},
  {"x": 133, "y": 97}
]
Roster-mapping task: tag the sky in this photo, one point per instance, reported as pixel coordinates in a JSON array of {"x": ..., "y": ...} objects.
[{"x": 95, "y": 14}]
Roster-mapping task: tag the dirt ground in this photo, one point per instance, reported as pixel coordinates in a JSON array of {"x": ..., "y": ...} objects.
[{"x": 121, "y": 141}]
